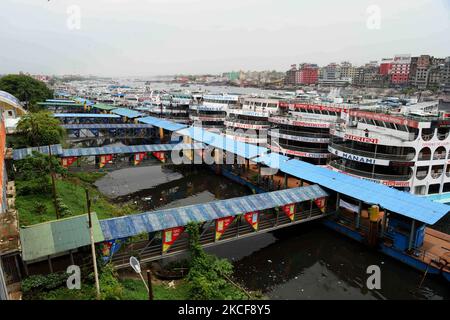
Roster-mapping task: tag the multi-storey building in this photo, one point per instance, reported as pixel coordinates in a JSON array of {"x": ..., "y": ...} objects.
[
  {"x": 307, "y": 74},
  {"x": 249, "y": 122},
  {"x": 400, "y": 69},
  {"x": 405, "y": 147},
  {"x": 291, "y": 74},
  {"x": 212, "y": 112},
  {"x": 348, "y": 71}
]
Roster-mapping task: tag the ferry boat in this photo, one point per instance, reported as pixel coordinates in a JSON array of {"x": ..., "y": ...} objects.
[
  {"x": 172, "y": 106},
  {"x": 212, "y": 112},
  {"x": 301, "y": 129},
  {"x": 406, "y": 147},
  {"x": 249, "y": 122}
]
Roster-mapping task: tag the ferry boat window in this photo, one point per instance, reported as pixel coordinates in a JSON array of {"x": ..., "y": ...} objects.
[
  {"x": 442, "y": 133},
  {"x": 436, "y": 171},
  {"x": 427, "y": 134},
  {"x": 425, "y": 154},
  {"x": 422, "y": 172},
  {"x": 446, "y": 187},
  {"x": 434, "y": 188},
  {"x": 439, "y": 154},
  {"x": 420, "y": 190}
]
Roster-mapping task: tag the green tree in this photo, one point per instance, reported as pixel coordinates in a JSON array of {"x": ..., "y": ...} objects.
[
  {"x": 26, "y": 89},
  {"x": 40, "y": 129},
  {"x": 33, "y": 173}
]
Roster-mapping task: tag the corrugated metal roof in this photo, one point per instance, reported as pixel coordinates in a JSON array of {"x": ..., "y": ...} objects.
[
  {"x": 222, "y": 142},
  {"x": 103, "y": 106},
  {"x": 49, "y": 238},
  {"x": 161, "y": 123},
  {"x": 106, "y": 126},
  {"x": 400, "y": 202},
  {"x": 19, "y": 154},
  {"x": 128, "y": 149},
  {"x": 60, "y": 100},
  {"x": 84, "y": 101},
  {"x": 391, "y": 199},
  {"x": 60, "y": 104},
  {"x": 124, "y": 112},
  {"x": 85, "y": 115},
  {"x": 159, "y": 220}
]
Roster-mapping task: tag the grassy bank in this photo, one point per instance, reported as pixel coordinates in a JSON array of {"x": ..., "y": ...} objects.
[
  {"x": 72, "y": 191},
  {"x": 131, "y": 289}
]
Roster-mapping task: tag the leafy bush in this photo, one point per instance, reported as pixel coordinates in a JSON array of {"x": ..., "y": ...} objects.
[
  {"x": 34, "y": 285},
  {"x": 40, "y": 208},
  {"x": 63, "y": 210},
  {"x": 208, "y": 274},
  {"x": 110, "y": 287}
]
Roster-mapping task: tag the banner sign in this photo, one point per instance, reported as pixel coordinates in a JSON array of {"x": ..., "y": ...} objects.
[
  {"x": 384, "y": 118},
  {"x": 170, "y": 235},
  {"x": 321, "y": 203},
  {"x": 309, "y": 106},
  {"x": 252, "y": 218},
  {"x": 222, "y": 225},
  {"x": 104, "y": 159},
  {"x": 138, "y": 157},
  {"x": 160, "y": 156},
  {"x": 108, "y": 248},
  {"x": 67, "y": 162},
  {"x": 289, "y": 210}
]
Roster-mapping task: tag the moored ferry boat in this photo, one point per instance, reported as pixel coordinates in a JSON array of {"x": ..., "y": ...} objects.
[
  {"x": 173, "y": 106},
  {"x": 405, "y": 147},
  {"x": 250, "y": 121},
  {"x": 212, "y": 112},
  {"x": 301, "y": 129}
]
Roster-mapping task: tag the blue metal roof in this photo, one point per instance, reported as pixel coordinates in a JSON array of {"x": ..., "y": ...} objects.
[
  {"x": 60, "y": 100},
  {"x": 106, "y": 126},
  {"x": 400, "y": 202},
  {"x": 85, "y": 115},
  {"x": 132, "y": 225},
  {"x": 161, "y": 123},
  {"x": 242, "y": 149},
  {"x": 124, "y": 112},
  {"x": 19, "y": 154},
  {"x": 128, "y": 149},
  {"x": 85, "y": 101},
  {"x": 391, "y": 199}
]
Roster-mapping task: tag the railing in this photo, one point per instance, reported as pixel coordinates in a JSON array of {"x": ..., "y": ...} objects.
[
  {"x": 375, "y": 176},
  {"x": 254, "y": 122},
  {"x": 303, "y": 149},
  {"x": 147, "y": 251},
  {"x": 302, "y": 133},
  {"x": 374, "y": 155}
]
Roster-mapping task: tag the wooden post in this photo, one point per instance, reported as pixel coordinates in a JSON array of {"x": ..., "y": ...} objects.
[
  {"x": 411, "y": 235},
  {"x": 358, "y": 215},
  {"x": 285, "y": 181},
  {"x": 149, "y": 283},
  {"x": 52, "y": 175},
  {"x": 91, "y": 233}
]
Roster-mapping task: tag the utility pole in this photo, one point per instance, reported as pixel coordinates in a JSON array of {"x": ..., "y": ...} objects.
[
  {"x": 91, "y": 233},
  {"x": 149, "y": 284},
  {"x": 52, "y": 175}
]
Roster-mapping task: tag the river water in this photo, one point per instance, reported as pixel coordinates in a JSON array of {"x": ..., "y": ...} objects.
[{"x": 301, "y": 262}]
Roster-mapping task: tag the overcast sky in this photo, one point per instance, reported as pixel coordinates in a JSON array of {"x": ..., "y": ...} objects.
[{"x": 154, "y": 37}]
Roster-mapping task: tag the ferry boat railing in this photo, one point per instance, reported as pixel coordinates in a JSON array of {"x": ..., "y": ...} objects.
[
  {"x": 301, "y": 133},
  {"x": 304, "y": 149},
  {"x": 256, "y": 122},
  {"x": 371, "y": 175},
  {"x": 375, "y": 155}
]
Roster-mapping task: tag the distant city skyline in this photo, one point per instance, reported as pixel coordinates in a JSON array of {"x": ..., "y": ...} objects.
[{"x": 135, "y": 38}]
